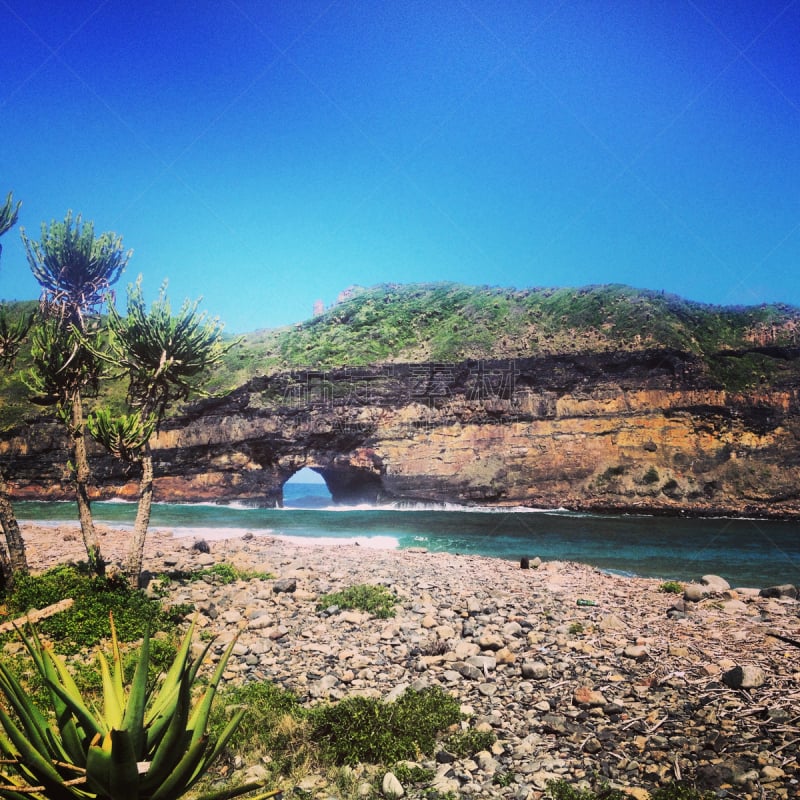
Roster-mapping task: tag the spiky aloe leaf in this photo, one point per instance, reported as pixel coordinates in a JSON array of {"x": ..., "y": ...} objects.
[
  {"x": 86, "y": 721},
  {"x": 177, "y": 738},
  {"x": 73, "y": 738},
  {"x": 111, "y": 768},
  {"x": 64, "y": 691},
  {"x": 172, "y": 680},
  {"x": 33, "y": 722},
  {"x": 219, "y": 745},
  {"x": 35, "y": 765},
  {"x": 199, "y": 719},
  {"x": 117, "y": 676},
  {"x": 133, "y": 718},
  {"x": 179, "y": 780},
  {"x": 236, "y": 791},
  {"x": 73, "y": 741},
  {"x": 112, "y": 708}
]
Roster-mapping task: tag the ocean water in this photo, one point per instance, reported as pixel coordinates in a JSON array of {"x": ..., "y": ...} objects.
[{"x": 746, "y": 552}]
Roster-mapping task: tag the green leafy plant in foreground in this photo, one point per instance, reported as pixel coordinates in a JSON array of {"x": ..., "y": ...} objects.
[
  {"x": 273, "y": 726},
  {"x": 376, "y": 600},
  {"x": 148, "y": 742},
  {"x": 563, "y": 790},
  {"x": 364, "y": 729},
  {"x": 671, "y": 587},
  {"x": 464, "y": 744},
  {"x": 227, "y": 573},
  {"x": 87, "y": 622}
]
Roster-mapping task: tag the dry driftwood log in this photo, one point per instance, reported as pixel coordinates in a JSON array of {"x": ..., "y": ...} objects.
[{"x": 34, "y": 615}]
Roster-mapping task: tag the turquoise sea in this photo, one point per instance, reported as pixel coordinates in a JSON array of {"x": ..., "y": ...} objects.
[{"x": 745, "y": 552}]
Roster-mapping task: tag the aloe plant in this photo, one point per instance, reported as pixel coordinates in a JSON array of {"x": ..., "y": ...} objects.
[{"x": 143, "y": 742}]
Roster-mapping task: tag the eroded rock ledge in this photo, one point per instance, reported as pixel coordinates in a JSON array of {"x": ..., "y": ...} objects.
[{"x": 647, "y": 431}]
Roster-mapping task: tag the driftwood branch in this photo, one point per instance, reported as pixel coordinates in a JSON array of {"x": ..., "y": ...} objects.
[
  {"x": 776, "y": 635},
  {"x": 36, "y": 614}
]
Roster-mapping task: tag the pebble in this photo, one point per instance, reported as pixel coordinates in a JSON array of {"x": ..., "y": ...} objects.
[{"x": 634, "y": 689}]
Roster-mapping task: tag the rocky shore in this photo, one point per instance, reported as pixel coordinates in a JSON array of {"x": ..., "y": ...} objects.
[{"x": 639, "y": 688}]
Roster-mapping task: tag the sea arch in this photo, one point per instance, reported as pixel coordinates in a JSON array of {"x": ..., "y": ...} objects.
[{"x": 351, "y": 479}]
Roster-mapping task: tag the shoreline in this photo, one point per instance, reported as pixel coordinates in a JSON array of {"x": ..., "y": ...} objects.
[
  {"x": 632, "y": 689},
  {"x": 748, "y": 511},
  {"x": 645, "y": 546}
]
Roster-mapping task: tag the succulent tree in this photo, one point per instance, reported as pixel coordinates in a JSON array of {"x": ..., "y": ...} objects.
[
  {"x": 145, "y": 742},
  {"x": 166, "y": 356},
  {"x": 13, "y": 560},
  {"x": 9, "y": 214},
  {"x": 75, "y": 270}
]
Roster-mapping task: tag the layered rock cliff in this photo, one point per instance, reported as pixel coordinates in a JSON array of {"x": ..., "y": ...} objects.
[{"x": 648, "y": 431}]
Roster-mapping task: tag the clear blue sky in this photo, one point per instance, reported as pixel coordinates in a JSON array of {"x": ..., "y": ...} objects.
[{"x": 267, "y": 153}]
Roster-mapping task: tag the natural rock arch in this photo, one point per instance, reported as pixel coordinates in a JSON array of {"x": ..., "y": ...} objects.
[
  {"x": 347, "y": 481},
  {"x": 580, "y": 432}
]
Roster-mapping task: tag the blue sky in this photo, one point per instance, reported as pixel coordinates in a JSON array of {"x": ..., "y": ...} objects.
[{"x": 267, "y": 154}]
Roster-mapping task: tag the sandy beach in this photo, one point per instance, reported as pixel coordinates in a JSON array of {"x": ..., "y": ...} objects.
[{"x": 639, "y": 688}]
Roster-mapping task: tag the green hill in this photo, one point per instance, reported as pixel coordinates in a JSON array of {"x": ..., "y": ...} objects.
[{"x": 450, "y": 322}]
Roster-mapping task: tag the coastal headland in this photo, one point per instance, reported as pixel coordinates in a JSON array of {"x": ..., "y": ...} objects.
[
  {"x": 638, "y": 688},
  {"x": 643, "y": 432}
]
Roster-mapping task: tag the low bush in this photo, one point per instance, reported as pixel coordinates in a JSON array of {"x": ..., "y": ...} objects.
[
  {"x": 671, "y": 587},
  {"x": 376, "y": 600},
  {"x": 87, "y": 622},
  {"x": 225, "y": 573},
  {"x": 274, "y": 726},
  {"x": 563, "y": 790},
  {"x": 464, "y": 744},
  {"x": 576, "y": 628},
  {"x": 363, "y": 729},
  {"x": 408, "y": 772}
]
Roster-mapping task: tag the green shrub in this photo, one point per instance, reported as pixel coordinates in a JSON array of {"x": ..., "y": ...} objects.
[
  {"x": 225, "y": 573},
  {"x": 265, "y": 705},
  {"x": 504, "y": 779},
  {"x": 408, "y": 773},
  {"x": 87, "y": 622},
  {"x": 680, "y": 791},
  {"x": 376, "y": 600},
  {"x": 363, "y": 729},
  {"x": 576, "y": 628},
  {"x": 464, "y": 744},
  {"x": 563, "y": 790},
  {"x": 671, "y": 587}
]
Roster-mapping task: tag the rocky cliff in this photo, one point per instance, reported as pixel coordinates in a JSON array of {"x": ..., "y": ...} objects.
[{"x": 647, "y": 431}]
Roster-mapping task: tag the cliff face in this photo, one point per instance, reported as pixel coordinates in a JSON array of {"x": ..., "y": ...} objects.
[{"x": 647, "y": 431}]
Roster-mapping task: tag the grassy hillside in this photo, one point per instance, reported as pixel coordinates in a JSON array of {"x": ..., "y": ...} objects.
[{"x": 450, "y": 322}]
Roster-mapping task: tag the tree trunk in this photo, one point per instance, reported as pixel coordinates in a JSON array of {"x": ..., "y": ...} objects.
[
  {"x": 133, "y": 567},
  {"x": 14, "y": 561},
  {"x": 82, "y": 474},
  {"x": 6, "y": 573}
]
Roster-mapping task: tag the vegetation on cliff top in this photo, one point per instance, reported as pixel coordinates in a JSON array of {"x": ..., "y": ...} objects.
[{"x": 450, "y": 322}]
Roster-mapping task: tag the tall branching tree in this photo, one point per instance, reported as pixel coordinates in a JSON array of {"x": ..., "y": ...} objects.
[
  {"x": 9, "y": 214},
  {"x": 166, "y": 357},
  {"x": 13, "y": 560},
  {"x": 76, "y": 270}
]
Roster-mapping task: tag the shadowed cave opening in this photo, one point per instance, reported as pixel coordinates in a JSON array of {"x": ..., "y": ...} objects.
[
  {"x": 306, "y": 489},
  {"x": 318, "y": 487}
]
